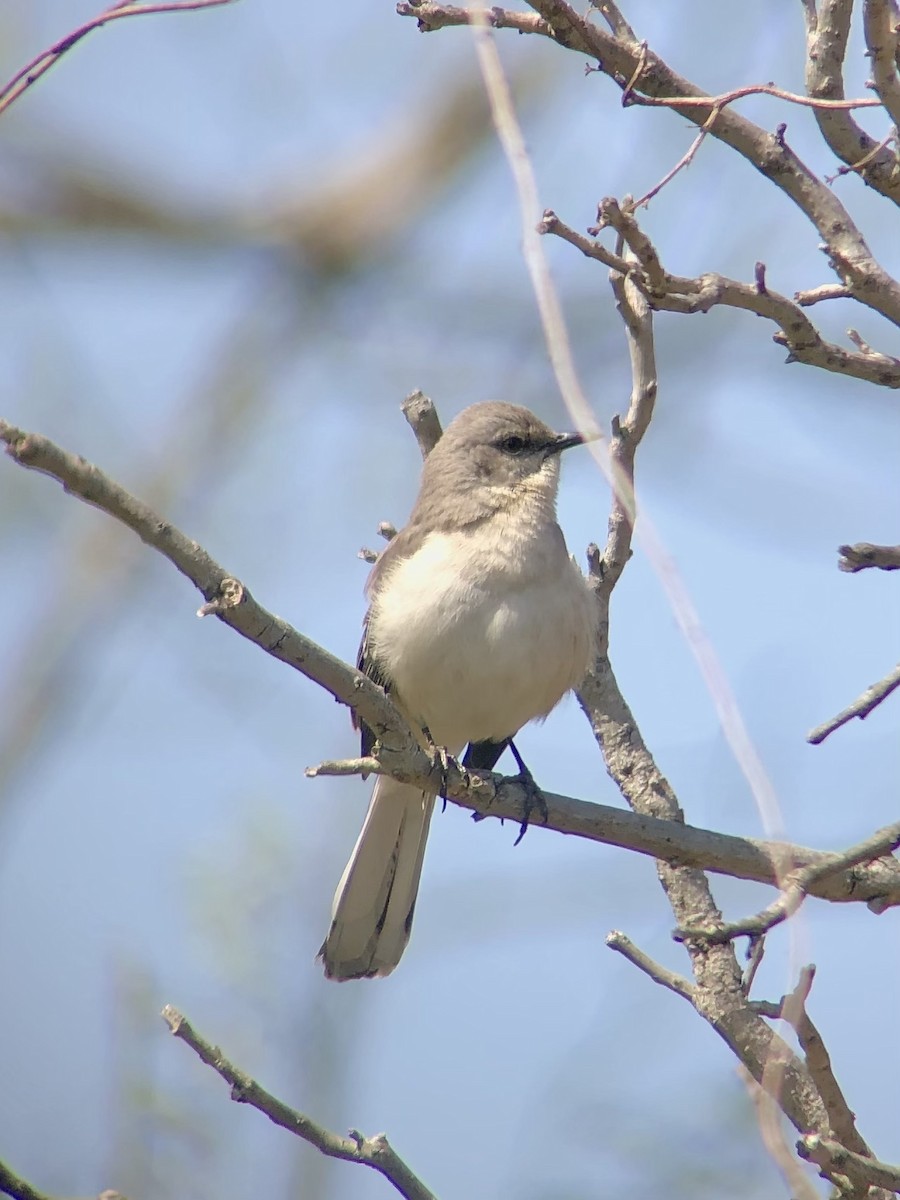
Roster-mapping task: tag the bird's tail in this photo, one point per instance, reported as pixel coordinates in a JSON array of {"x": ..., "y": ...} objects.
[{"x": 373, "y": 907}]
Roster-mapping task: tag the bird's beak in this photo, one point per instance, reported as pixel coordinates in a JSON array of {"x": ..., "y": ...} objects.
[{"x": 563, "y": 441}]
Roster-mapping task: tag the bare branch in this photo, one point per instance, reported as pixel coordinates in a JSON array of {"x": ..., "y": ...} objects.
[
  {"x": 628, "y": 432},
  {"x": 32, "y": 71},
  {"x": 375, "y": 1152},
  {"x": 864, "y": 554},
  {"x": 423, "y": 420},
  {"x": 795, "y": 889},
  {"x": 658, "y": 973},
  {"x": 674, "y": 293},
  {"x": 13, "y": 1185},
  {"x": 861, "y": 707},
  {"x": 883, "y": 40},
  {"x": 621, "y": 58},
  {"x": 826, "y": 44},
  {"x": 793, "y": 1010},
  {"x": 835, "y": 1159}
]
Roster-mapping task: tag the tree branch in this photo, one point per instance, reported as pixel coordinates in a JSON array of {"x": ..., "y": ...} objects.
[
  {"x": 826, "y": 42},
  {"x": 628, "y": 62},
  {"x": 375, "y": 1152},
  {"x": 32, "y": 71},
  {"x": 864, "y": 554},
  {"x": 795, "y": 887},
  {"x": 861, "y": 707},
  {"x": 487, "y": 794},
  {"x": 13, "y": 1185},
  {"x": 674, "y": 293}
]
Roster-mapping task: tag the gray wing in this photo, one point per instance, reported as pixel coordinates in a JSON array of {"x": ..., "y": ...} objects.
[{"x": 401, "y": 546}]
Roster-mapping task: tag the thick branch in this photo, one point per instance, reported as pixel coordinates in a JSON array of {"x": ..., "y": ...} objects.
[
  {"x": 826, "y": 42},
  {"x": 13, "y": 1185},
  {"x": 375, "y": 1152},
  {"x": 881, "y": 26},
  {"x": 487, "y": 794},
  {"x": 863, "y": 555},
  {"x": 629, "y": 62}
]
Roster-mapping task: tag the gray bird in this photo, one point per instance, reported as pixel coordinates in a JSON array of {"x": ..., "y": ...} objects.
[{"x": 478, "y": 622}]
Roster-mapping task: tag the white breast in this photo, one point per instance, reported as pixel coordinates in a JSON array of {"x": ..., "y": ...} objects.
[{"x": 481, "y": 632}]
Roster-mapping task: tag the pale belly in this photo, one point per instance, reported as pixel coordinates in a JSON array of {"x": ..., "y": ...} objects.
[{"x": 474, "y": 667}]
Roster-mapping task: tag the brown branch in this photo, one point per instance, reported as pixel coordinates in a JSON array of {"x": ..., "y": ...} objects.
[
  {"x": 860, "y": 1170},
  {"x": 423, "y": 420},
  {"x": 656, "y": 971},
  {"x": 13, "y": 1185},
  {"x": 880, "y": 26},
  {"x": 619, "y": 57},
  {"x": 375, "y": 1152},
  {"x": 861, "y": 707},
  {"x": 826, "y": 45},
  {"x": 877, "y": 885},
  {"x": 795, "y": 888},
  {"x": 793, "y": 1010},
  {"x": 863, "y": 554},
  {"x": 674, "y": 293},
  {"x": 41, "y": 64},
  {"x": 627, "y": 432}
]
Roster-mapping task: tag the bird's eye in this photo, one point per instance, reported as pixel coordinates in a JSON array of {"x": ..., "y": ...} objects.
[{"x": 514, "y": 444}]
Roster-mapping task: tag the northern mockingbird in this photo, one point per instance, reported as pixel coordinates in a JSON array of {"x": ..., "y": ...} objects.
[{"x": 478, "y": 622}]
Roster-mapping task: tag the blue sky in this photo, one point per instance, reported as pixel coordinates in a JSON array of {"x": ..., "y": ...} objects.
[{"x": 160, "y": 843}]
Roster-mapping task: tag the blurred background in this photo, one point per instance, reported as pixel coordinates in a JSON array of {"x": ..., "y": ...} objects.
[{"x": 231, "y": 241}]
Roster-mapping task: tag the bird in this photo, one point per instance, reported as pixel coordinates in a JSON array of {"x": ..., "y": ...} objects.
[{"x": 479, "y": 621}]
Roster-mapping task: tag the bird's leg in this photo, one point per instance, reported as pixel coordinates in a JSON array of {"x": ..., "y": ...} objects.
[
  {"x": 442, "y": 760},
  {"x": 534, "y": 797}
]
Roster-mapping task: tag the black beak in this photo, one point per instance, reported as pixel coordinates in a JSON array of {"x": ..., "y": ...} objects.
[{"x": 563, "y": 441}]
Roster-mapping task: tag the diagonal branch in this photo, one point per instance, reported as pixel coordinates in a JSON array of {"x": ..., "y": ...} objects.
[
  {"x": 877, "y": 884},
  {"x": 861, "y": 707},
  {"x": 32, "y": 71},
  {"x": 375, "y": 1152},
  {"x": 864, "y": 554},
  {"x": 629, "y": 62}
]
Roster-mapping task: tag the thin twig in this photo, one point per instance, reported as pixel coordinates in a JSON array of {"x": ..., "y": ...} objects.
[
  {"x": 375, "y": 1152},
  {"x": 32, "y": 71},
  {"x": 861, "y": 707},
  {"x": 656, "y": 971}
]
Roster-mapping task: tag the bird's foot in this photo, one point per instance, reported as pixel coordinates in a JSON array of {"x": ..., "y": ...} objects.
[
  {"x": 534, "y": 797},
  {"x": 441, "y": 758}
]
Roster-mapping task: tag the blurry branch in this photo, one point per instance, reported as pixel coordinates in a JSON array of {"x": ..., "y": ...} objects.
[
  {"x": 375, "y": 1152},
  {"x": 97, "y": 579},
  {"x": 654, "y": 834},
  {"x": 861, "y": 707},
  {"x": 644, "y": 77},
  {"x": 13, "y": 1185},
  {"x": 331, "y": 222},
  {"x": 32, "y": 71},
  {"x": 881, "y": 27},
  {"x": 864, "y": 554},
  {"x": 673, "y": 293}
]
